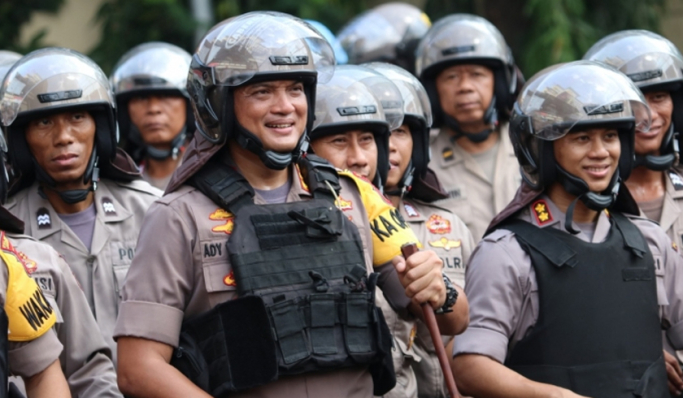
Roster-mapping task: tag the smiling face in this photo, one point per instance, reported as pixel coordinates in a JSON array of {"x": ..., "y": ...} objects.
[
  {"x": 591, "y": 155},
  {"x": 661, "y": 107},
  {"x": 400, "y": 153},
  {"x": 465, "y": 92},
  {"x": 273, "y": 111},
  {"x": 62, "y": 144},
  {"x": 158, "y": 117},
  {"x": 354, "y": 150}
]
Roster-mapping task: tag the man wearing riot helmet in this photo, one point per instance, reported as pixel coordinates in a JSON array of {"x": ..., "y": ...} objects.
[
  {"x": 74, "y": 189},
  {"x": 412, "y": 187},
  {"x": 154, "y": 112},
  {"x": 570, "y": 289},
  {"x": 258, "y": 248},
  {"x": 470, "y": 76}
]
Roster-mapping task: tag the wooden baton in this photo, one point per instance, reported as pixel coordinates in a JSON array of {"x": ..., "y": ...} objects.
[{"x": 430, "y": 320}]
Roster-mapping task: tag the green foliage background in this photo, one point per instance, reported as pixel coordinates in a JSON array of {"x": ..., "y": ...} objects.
[{"x": 540, "y": 32}]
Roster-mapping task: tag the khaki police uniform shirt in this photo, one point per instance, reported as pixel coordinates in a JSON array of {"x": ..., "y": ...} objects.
[
  {"x": 447, "y": 235},
  {"x": 31, "y": 354},
  {"x": 86, "y": 358},
  {"x": 473, "y": 197},
  {"x": 672, "y": 209},
  {"x": 191, "y": 273},
  {"x": 101, "y": 271},
  {"x": 503, "y": 292}
]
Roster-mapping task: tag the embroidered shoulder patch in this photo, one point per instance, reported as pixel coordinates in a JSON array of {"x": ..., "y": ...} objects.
[
  {"x": 223, "y": 215},
  {"x": 438, "y": 225},
  {"x": 541, "y": 212},
  {"x": 343, "y": 204}
]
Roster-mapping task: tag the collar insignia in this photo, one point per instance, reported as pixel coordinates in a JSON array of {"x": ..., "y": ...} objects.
[
  {"x": 676, "y": 180},
  {"x": 43, "y": 218},
  {"x": 447, "y": 154},
  {"x": 410, "y": 210},
  {"x": 446, "y": 244},
  {"x": 108, "y": 206},
  {"x": 541, "y": 212},
  {"x": 438, "y": 225},
  {"x": 222, "y": 215}
]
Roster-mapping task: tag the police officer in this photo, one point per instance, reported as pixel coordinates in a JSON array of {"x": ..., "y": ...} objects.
[
  {"x": 73, "y": 188},
  {"x": 29, "y": 347},
  {"x": 468, "y": 71},
  {"x": 252, "y": 84},
  {"x": 571, "y": 289},
  {"x": 389, "y": 32},
  {"x": 412, "y": 188},
  {"x": 154, "y": 111}
]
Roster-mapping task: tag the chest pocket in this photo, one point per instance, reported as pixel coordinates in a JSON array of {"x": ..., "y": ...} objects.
[
  {"x": 218, "y": 275},
  {"x": 47, "y": 285},
  {"x": 122, "y": 254},
  {"x": 662, "y": 299}
]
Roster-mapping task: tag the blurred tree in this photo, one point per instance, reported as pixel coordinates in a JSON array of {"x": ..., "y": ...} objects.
[
  {"x": 14, "y": 13},
  {"x": 127, "y": 23}
]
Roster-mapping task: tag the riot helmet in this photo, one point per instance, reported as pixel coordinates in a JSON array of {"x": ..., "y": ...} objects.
[
  {"x": 574, "y": 97},
  {"x": 467, "y": 39},
  {"x": 250, "y": 48},
  {"x": 153, "y": 68},
  {"x": 49, "y": 81},
  {"x": 654, "y": 64},
  {"x": 339, "y": 54},
  {"x": 7, "y": 59},
  {"x": 417, "y": 114},
  {"x": 358, "y": 98},
  {"x": 387, "y": 33}
]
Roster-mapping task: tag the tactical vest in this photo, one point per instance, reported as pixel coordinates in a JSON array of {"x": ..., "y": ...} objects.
[
  {"x": 598, "y": 332},
  {"x": 306, "y": 303}
]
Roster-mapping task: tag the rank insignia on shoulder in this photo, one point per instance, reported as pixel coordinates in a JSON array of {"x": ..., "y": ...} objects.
[
  {"x": 446, "y": 244},
  {"x": 676, "y": 181},
  {"x": 108, "y": 206},
  {"x": 438, "y": 225},
  {"x": 43, "y": 218},
  {"x": 343, "y": 204},
  {"x": 447, "y": 154},
  {"x": 223, "y": 215},
  {"x": 229, "y": 279},
  {"x": 410, "y": 210},
  {"x": 541, "y": 212}
]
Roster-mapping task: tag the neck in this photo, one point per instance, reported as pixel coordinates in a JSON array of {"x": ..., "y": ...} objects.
[
  {"x": 562, "y": 199},
  {"x": 161, "y": 168},
  {"x": 477, "y": 147},
  {"x": 394, "y": 199},
  {"x": 254, "y": 171},
  {"x": 64, "y": 208},
  {"x": 646, "y": 185}
]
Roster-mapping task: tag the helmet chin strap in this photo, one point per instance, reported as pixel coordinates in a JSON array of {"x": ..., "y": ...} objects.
[
  {"x": 405, "y": 183},
  {"x": 70, "y": 196},
  {"x": 659, "y": 162},
  {"x": 173, "y": 152},
  {"x": 271, "y": 159},
  {"x": 490, "y": 119},
  {"x": 594, "y": 201}
]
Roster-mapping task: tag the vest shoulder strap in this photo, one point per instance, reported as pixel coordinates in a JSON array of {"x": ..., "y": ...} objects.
[
  {"x": 320, "y": 176},
  {"x": 633, "y": 238},
  {"x": 552, "y": 248},
  {"x": 223, "y": 185}
]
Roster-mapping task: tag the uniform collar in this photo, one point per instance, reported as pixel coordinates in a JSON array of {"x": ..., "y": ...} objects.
[
  {"x": 45, "y": 221},
  {"x": 411, "y": 211},
  {"x": 543, "y": 213}
]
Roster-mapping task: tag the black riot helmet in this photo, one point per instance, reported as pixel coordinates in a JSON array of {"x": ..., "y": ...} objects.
[
  {"x": 417, "y": 114},
  {"x": 358, "y": 98},
  {"x": 573, "y": 97},
  {"x": 254, "y": 47},
  {"x": 153, "y": 68},
  {"x": 49, "y": 81},
  {"x": 654, "y": 64},
  {"x": 467, "y": 39}
]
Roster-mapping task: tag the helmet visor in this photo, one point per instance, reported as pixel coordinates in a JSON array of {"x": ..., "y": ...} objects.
[
  {"x": 560, "y": 98},
  {"x": 263, "y": 42}
]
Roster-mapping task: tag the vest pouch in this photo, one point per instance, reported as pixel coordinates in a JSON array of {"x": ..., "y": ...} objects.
[
  {"x": 323, "y": 319},
  {"x": 288, "y": 323},
  {"x": 189, "y": 360},
  {"x": 382, "y": 367},
  {"x": 359, "y": 328},
  {"x": 236, "y": 343}
]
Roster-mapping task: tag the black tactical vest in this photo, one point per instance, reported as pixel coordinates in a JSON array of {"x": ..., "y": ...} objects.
[
  {"x": 598, "y": 332},
  {"x": 306, "y": 302}
]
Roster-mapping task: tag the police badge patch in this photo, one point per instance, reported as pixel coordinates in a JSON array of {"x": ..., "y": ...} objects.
[{"x": 438, "y": 225}]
